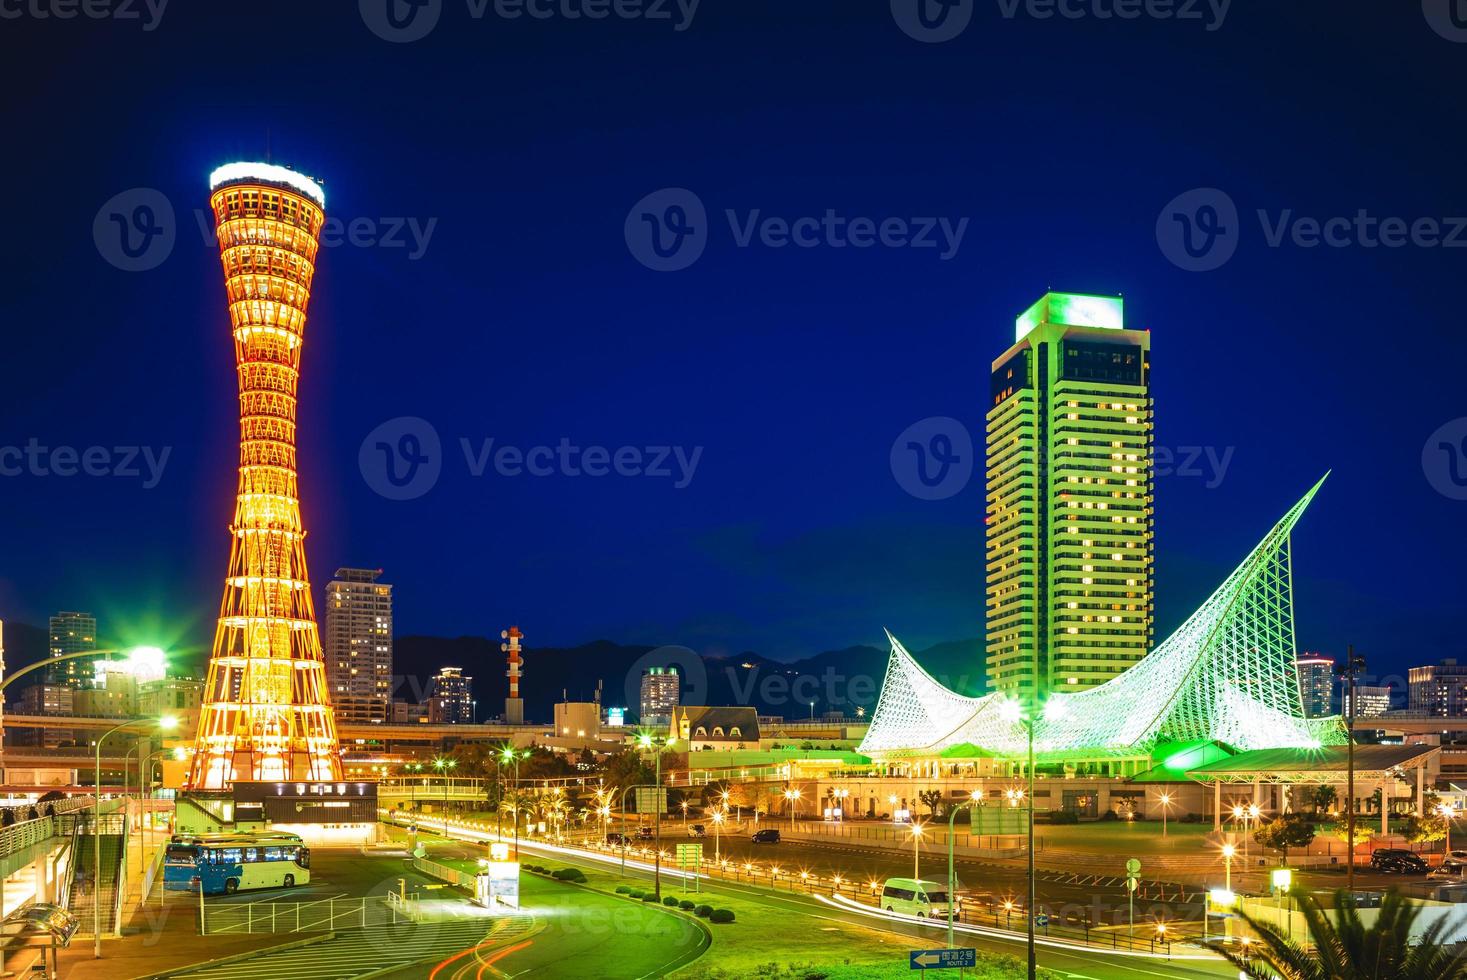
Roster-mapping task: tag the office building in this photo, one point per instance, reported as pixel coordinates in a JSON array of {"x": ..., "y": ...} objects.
[
  {"x": 358, "y": 645},
  {"x": 1439, "y": 690},
  {"x": 661, "y": 693},
  {"x": 450, "y": 697},
  {"x": 72, "y": 632},
  {"x": 1374, "y": 701},
  {"x": 1316, "y": 684},
  {"x": 1069, "y": 472}
]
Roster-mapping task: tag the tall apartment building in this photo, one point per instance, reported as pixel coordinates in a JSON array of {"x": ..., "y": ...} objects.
[
  {"x": 358, "y": 645},
  {"x": 1374, "y": 701},
  {"x": 451, "y": 696},
  {"x": 1316, "y": 684},
  {"x": 72, "y": 632},
  {"x": 660, "y": 694},
  {"x": 1069, "y": 514},
  {"x": 1439, "y": 690}
]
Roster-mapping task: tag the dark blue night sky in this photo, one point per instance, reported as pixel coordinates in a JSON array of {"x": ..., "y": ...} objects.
[{"x": 526, "y": 317}]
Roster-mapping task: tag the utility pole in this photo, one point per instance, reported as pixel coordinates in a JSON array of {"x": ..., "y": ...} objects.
[{"x": 1350, "y": 669}]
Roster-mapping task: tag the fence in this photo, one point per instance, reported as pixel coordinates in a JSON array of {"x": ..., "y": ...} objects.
[
  {"x": 444, "y": 873},
  {"x": 323, "y": 915}
]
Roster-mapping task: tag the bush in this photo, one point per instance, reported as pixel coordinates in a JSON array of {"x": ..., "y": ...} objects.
[
  {"x": 704, "y": 911},
  {"x": 1063, "y": 817},
  {"x": 686, "y": 905},
  {"x": 636, "y": 893},
  {"x": 649, "y": 897},
  {"x": 623, "y": 889},
  {"x": 569, "y": 874},
  {"x": 670, "y": 901},
  {"x": 721, "y": 915},
  {"x": 1110, "y": 815}
]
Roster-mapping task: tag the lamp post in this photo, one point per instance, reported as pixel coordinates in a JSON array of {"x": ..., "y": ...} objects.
[
  {"x": 1446, "y": 813},
  {"x": 1014, "y": 711},
  {"x": 647, "y": 740},
  {"x": 793, "y": 797},
  {"x": 1166, "y": 801},
  {"x": 166, "y": 723},
  {"x": 718, "y": 816},
  {"x": 916, "y": 832},
  {"x": 1228, "y": 851},
  {"x": 444, "y": 767},
  {"x": 952, "y": 880},
  {"x": 1350, "y": 670}
]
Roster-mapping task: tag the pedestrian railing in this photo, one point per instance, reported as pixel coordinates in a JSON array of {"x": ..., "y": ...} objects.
[
  {"x": 324, "y": 915},
  {"x": 444, "y": 873}
]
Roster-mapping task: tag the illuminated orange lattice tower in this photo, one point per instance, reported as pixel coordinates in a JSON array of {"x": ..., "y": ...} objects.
[{"x": 266, "y": 713}]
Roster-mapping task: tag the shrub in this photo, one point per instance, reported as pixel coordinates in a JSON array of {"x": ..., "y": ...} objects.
[
  {"x": 670, "y": 901},
  {"x": 704, "y": 911},
  {"x": 636, "y": 893},
  {"x": 649, "y": 897},
  {"x": 687, "y": 906},
  {"x": 623, "y": 889},
  {"x": 1109, "y": 815},
  {"x": 569, "y": 874},
  {"x": 721, "y": 915},
  {"x": 1063, "y": 817}
]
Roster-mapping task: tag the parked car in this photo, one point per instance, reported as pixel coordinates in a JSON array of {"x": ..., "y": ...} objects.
[
  {"x": 913, "y": 896},
  {"x": 696, "y": 830},
  {"x": 1459, "y": 856},
  {"x": 644, "y": 833},
  {"x": 1397, "y": 860},
  {"x": 1449, "y": 870},
  {"x": 766, "y": 836}
]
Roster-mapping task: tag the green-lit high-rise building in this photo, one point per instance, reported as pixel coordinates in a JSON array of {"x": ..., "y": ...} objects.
[{"x": 1069, "y": 499}]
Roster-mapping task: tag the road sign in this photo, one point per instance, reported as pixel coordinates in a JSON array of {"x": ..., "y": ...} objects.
[
  {"x": 1133, "y": 867},
  {"x": 942, "y": 959},
  {"x": 650, "y": 800},
  {"x": 689, "y": 857},
  {"x": 1131, "y": 884},
  {"x": 1041, "y": 920}
]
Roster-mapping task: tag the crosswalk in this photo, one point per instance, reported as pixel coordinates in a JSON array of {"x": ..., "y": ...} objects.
[{"x": 360, "y": 951}]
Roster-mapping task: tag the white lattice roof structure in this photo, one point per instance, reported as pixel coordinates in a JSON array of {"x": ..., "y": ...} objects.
[{"x": 1227, "y": 674}]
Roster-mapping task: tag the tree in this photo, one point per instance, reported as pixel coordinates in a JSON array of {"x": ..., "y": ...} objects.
[
  {"x": 1432, "y": 827},
  {"x": 931, "y": 798},
  {"x": 1325, "y": 797},
  {"x": 1291, "y": 830},
  {"x": 1348, "y": 950}
]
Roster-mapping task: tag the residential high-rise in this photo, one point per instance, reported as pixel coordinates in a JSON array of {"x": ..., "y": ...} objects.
[
  {"x": 1316, "y": 684},
  {"x": 1439, "y": 690},
  {"x": 1069, "y": 499},
  {"x": 72, "y": 632},
  {"x": 661, "y": 694},
  {"x": 451, "y": 697},
  {"x": 266, "y": 713},
  {"x": 359, "y": 645}
]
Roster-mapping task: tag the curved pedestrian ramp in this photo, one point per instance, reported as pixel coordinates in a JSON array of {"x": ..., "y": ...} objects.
[{"x": 352, "y": 953}]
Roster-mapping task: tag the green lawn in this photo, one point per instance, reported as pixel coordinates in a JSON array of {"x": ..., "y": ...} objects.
[{"x": 1127, "y": 839}]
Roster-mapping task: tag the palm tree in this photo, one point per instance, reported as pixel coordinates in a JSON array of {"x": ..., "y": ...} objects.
[{"x": 1349, "y": 950}]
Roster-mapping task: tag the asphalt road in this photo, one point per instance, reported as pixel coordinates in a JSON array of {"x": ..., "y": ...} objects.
[{"x": 1079, "y": 963}]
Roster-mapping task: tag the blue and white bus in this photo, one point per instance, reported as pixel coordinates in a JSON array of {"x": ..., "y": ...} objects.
[{"x": 227, "y": 864}]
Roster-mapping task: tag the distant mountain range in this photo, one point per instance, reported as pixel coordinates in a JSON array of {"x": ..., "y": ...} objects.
[{"x": 836, "y": 680}]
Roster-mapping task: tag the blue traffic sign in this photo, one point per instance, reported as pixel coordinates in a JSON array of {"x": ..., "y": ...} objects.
[{"x": 942, "y": 959}]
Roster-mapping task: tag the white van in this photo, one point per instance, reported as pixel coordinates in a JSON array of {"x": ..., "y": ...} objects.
[{"x": 914, "y": 896}]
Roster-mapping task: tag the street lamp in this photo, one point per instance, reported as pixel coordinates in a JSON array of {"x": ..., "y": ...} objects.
[
  {"x": 165, "y": 723},
  {"x": 1165, "y": 799},
  {"x": 1446, "y": 812},
  {"x": 1350, "y": 670},
  {"x": 444, "y": 766},
  {"x": 1014, "y": 712},
  {"x": 718, "y": 817},
  {"x": 793, "y": 796},
  {"x": 647, "y": 741},
  {"x": 1228, "y": 851},
  {"x": 916, "y": 831}
]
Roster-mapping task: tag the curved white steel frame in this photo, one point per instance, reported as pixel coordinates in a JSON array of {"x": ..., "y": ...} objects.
[{"x": 1228, "y": 673}]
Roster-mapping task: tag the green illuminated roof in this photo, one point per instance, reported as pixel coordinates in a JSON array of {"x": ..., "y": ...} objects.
[{"x": 1072, "y": 310}]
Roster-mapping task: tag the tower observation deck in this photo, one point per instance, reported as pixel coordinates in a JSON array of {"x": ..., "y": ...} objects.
[{"x": 266, "y": 714}]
